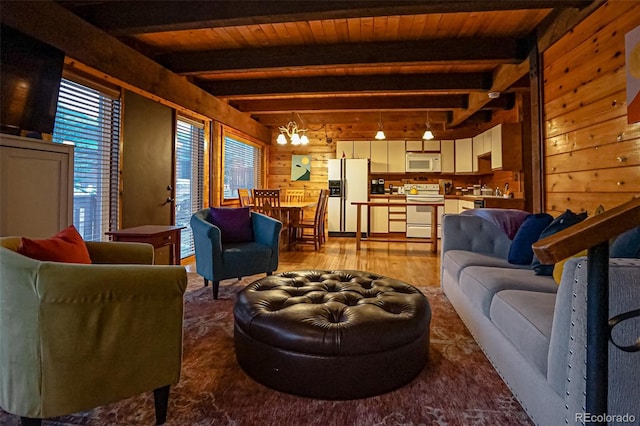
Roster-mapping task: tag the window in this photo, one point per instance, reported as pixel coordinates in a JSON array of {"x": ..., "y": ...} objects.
[
  {"x": 242, "y": 166},
  {"x": 189, "y": 177},
  {"x": 90, "y": 119}
]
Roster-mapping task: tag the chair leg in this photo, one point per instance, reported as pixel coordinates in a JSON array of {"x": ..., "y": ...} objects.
[
  {"x": 269, "y": 273},
  {"x": 161, "y": 399},
  {"x": 215, "y": 286},
  {"x": 206, "y": 282},
  {"x": 29, "y": 421}
]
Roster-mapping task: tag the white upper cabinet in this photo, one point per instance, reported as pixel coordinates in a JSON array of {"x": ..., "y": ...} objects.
[
  {"x": 379, "y": 156},
  {"x": 344, "y": 149},
  {"x": 432, "y": 145},
  {"x": 414, "y": 146},
  {"x": 361, "y": 149},
  {"x": 447, "y": 160},
  {"x": 464, "y": 155},
  {"x": 397, "y": 157}
]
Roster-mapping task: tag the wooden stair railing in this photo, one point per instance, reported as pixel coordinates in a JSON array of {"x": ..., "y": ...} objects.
[{"x": 594, "y": 234}]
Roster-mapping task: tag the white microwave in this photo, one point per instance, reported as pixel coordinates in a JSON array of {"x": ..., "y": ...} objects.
[{"x": 422, "y": 162}]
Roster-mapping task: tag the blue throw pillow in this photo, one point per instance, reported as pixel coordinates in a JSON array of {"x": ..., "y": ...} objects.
[
  {"x": 520, "y": 251},
  {"x": 626, "y": 244},
  {"x": 560, "y": 223},
  {"x": 235, "y": 223}
]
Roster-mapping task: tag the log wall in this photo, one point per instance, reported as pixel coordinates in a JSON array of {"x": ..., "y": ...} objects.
[{"x": 591, "y": 155}]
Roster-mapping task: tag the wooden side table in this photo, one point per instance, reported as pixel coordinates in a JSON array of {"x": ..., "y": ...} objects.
[{"x": 156, "y": 235}]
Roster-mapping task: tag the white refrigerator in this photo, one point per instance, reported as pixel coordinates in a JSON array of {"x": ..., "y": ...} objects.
[{"x": 348, "y": 181}]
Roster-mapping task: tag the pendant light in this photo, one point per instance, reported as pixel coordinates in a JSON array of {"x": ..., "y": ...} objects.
[
  {"x": 380, "y": 135},
  {"x": 428, "y": 134}
]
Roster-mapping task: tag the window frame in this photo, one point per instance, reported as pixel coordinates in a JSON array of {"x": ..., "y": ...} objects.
[{"x": 248, "y": 140}]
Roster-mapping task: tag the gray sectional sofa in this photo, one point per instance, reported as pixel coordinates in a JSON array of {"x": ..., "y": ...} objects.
[{"x": 532, "y": 329}]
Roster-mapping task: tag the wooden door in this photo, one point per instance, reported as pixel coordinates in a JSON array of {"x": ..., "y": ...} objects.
[{"x": 147, "y": 163}]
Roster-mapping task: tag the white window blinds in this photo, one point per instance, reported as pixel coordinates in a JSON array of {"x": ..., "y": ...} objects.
[
  {"x": 189, "y": 178},
  {"x": 242, "y": 167},
  {"x": 90, "y": 119}
]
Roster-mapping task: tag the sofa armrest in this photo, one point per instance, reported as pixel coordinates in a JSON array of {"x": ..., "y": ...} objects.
[
  {"x": 77, "y": 322},
  {"x": 266, "y": 230},
  {"x": 120, "y": 253},
  {"x": 624, "y": 293},
  {"x": 473, "y": 233}
]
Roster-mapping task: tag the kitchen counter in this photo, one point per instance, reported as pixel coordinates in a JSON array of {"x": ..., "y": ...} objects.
[{"x": 491, "y": 201}]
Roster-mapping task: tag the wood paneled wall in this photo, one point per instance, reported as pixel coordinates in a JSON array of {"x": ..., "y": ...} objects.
[{"x": 592, "y": 156}]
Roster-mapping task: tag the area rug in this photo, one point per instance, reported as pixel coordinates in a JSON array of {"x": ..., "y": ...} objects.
[{"x": 457, "y": 387}]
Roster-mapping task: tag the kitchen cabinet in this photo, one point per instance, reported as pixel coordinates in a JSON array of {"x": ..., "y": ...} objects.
[
  {"x": 414, "y": 146},
  {"x": 506, "y": 146},
  {"x": 396, "y": 156},
  {"x": 379, "y": 219},
  {"x": 447, "y": 160},
  {"x": 397, "y": 216},
  {"x": 379, "y": 156},
  {"x": 36, "y": 187},
  {"x": 465, "y": 205},
  {"x": 361, "y": 149},
  {"x": 344, "y": 149},
  {"x": 451, "y": 207},
  {"x": 432, "y": 145},
  {"x": 464, "y": 155}
]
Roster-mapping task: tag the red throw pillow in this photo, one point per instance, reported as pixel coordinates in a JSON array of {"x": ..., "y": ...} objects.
[{"x": 66, "y": 246}]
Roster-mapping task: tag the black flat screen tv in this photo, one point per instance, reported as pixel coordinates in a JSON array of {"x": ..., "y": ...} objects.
[{"x": 30, "y": 71}]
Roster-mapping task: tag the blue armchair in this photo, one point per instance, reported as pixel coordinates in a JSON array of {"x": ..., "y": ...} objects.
[{"x": 217, "y": 261}]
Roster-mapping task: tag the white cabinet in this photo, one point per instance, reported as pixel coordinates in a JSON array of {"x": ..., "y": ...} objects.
[
  {"x": 344, "y": 149},
  {"x": 465, "y": 205},
  {"x": 379, "y": 156},
  {"x": 396, "y": 156},
  {"x": 387, "y": 156},
  {"x": 379, "y": 218},
  {"x": 506, "y": 147},
  {"x": 361, "y": 149},
  {"x": 447, "y": 160},
  {"x": 414, "y": 146},
  {"x": 36, "y": 187},
  {"x": 397, "y": 217},
  {"x": 432, "y": 145},
  {"x": 496, "y": 147},
  {"x": 451, "y": 206},
  {"x": 464, "y": 155}
]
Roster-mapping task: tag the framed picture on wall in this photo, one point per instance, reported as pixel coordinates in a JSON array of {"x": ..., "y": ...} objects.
[
  {"x": 632, "y": 56},
  {"x": 300, "y": 167}
]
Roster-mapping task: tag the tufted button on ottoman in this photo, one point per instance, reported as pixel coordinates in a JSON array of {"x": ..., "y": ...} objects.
[{"x": 331, "y": 334}]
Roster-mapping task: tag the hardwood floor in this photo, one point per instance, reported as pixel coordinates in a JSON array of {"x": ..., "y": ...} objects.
[{"x": 410, "y": 262}]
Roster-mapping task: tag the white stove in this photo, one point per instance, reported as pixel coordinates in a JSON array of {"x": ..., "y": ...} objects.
[{"x": 419, "y": 217}]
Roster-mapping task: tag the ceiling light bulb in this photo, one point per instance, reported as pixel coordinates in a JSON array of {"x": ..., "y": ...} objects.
[
  {"x": 380, "y": 135},
  {"x": 295, "y": 139},
  {"x": 428, "y": 135},
  {"x": 304, "y": 140},
  {"x": 282, "y": 140}
]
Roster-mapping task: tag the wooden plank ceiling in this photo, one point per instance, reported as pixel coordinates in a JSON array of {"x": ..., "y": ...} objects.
[{"x": 337, "y": 61}]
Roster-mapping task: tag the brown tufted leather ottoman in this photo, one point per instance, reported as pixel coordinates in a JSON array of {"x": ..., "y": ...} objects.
[{"x": 331, "y": 334}]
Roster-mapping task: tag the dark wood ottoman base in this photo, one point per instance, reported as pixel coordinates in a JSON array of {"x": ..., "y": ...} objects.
[{"x": 331, "y": 334}]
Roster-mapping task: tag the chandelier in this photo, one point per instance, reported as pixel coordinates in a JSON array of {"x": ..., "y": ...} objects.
[
  {"x": 380, "y": 134},
  {"x": 295, "y": 134}
]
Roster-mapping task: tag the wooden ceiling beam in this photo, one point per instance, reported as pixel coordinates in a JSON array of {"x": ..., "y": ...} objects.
[
  {"x": 447, "y": 51},
  {"x": 451, "y": 82},
  {"x": 139, "y": 17},
  {"x": 352, "y": 103},
  {"x": 314, "y": 119},
  {"x": 503, "y": 78}
]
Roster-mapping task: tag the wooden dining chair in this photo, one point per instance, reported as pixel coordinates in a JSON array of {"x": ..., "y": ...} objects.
[
  {"x": 245, "y": 197},
  {"x": 312, "y": 232},
  {"x": 294, "y": 195},
  {"x": 267, "y": 201}
]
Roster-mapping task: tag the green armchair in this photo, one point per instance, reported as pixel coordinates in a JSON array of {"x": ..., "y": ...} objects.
[{"x": 74, "y": 337}]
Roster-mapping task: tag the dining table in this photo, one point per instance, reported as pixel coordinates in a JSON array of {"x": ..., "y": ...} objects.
[{"x": 290, "y": 212}]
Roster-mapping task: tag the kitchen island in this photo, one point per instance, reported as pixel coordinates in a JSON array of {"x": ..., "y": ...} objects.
[{"x": 434, "y": 221}]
